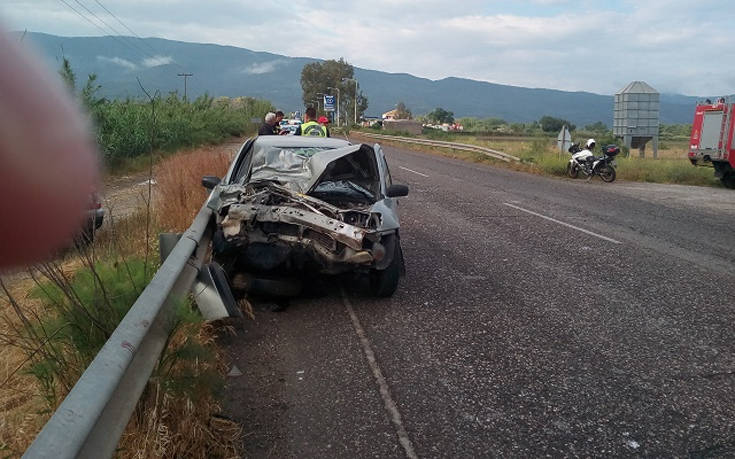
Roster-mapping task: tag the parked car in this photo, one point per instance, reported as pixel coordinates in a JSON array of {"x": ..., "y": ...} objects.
[
  {"x": 291, "y": 206},
  {"x": 95, "y": 216},
  {"x": 288, "y": 129}
]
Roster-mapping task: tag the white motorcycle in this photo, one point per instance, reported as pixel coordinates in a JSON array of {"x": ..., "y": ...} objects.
[{"x": 583, "y": 160}]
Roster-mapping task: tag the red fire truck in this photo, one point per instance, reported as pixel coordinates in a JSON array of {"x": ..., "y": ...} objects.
[{"x": 712, "y": 138}]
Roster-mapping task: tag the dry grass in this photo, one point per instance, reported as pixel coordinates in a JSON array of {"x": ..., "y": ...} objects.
[
  {"x": 22, "y": 411},
  {"x": 166, "y": 423},
  {"x": 171, "y": 424},
  {"x": 540, "y": 156},
  {"x": 179, "y": 191}
]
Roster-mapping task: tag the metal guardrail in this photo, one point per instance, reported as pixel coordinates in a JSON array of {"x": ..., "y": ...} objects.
[
  {"x": 93, "y": 416},
  {"x": 439, "y": 143}
]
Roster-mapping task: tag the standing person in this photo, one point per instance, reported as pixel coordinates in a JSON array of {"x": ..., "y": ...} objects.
[
  {"x": 279, "y": 118},
  {"x": 310, "y": 126},
  {"x": 267, "y": 127}
]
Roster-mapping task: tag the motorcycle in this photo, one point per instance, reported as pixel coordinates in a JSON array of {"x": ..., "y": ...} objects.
[{"x": 591, "y": 165}]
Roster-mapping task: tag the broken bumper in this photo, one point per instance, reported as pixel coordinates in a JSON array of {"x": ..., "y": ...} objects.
[{"x": 269, "y": 236}]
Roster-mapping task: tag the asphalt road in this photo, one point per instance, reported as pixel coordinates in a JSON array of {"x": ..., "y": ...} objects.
[{"x": 538, "y": 317}]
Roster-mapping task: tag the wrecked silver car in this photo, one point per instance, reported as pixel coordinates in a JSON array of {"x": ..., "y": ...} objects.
[{"x": 293, "y": 206}]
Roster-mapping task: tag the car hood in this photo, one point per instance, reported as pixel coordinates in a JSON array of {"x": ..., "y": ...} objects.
[{"x": 296, "y": 172}]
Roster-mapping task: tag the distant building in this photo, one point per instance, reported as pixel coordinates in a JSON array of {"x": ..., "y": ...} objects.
[
  {"x": 368, "y": 121},
  {"x": 391, "y": 115}
]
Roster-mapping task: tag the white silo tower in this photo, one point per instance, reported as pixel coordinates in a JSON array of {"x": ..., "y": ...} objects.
[{"x": 635, "y": 119}]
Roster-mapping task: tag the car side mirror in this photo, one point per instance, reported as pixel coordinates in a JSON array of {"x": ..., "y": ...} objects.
[
  {"x": 210, "y": 181},
  {"x": 396, "y": 191}
]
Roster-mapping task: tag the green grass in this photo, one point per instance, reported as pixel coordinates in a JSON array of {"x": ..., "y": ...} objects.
[
  {"x": 81, "y": 311},
  {"x": 539, "y": 155},
  {"x": 678, "y": 171},
  {"x": 129, "y": 129}
]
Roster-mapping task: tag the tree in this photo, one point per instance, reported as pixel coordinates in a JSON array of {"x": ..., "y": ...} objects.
[
  {"x": 551, "y": 124},
  {"x": 67, "y": 75},
  {"x": 88, "y": 94},
  {"x": 441, "y": 116},
  {"x": 318, "y": 77},
  {"x": 402, "y": 112},
  {"x": 596, "y": 127}
]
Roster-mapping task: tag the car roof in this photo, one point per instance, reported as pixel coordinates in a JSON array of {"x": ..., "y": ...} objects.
[{"x": 298, "y": 141}]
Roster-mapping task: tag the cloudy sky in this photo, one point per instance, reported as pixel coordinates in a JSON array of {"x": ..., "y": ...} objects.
[{"x": 683, "y": 46}]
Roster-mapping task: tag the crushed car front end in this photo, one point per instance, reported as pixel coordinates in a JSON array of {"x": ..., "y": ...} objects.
[{"x": 302, "y": 209}]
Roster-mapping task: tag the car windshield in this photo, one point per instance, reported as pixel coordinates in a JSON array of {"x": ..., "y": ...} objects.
[{"x": 286, "y": 165}]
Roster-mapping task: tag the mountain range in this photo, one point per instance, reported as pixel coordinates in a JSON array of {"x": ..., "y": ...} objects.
[{"x": 231, "y": 71}]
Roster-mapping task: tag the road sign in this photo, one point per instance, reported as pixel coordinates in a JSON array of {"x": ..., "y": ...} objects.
[
  {"x": 328, "y": 103},
  {"x": 564, "y": 139}
]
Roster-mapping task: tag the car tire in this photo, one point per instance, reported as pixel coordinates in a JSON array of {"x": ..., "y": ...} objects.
[{"x": 383, "y": 283}]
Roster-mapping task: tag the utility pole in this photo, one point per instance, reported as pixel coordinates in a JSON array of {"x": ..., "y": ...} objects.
[
  {"x": 336, "y": 89},
  {"x": 320, "y": 99},
  {"x": 185, "y": 75},
  {"x": 353, "y": 79}
]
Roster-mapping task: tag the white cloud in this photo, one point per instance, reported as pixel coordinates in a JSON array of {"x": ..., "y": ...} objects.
[
  {"x": 155, "y": 61},
  {"x": 588, "y": 45},
  {"x": 260, "y": 68},
  {"x": 118, "y": 61}
]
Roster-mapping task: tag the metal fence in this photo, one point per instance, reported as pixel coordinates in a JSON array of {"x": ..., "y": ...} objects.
[
  {"x": 439, "y": 143},
  {"x": 93, "y": 416}
]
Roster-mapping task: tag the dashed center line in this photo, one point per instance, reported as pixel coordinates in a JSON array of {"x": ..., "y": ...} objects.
[
  {"x": 563, "y": 223},
  {"x": 390, "y": 404},
  {"x": 411, "y": 170}
]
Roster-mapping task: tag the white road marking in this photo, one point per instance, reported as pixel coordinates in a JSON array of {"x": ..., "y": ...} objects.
[
  {"x": 563, "y": 223},
  {"x": 411, "y": 170},
  {"x": 390, "y": 405}
]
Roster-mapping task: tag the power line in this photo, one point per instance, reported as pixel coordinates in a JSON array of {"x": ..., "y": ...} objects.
[
  {"x": 142, "y": 40},
  {"x": 143, "y": 52},
  {"x": 105, "y": 32},
  {"x": 124, "y": 25},
  {"x": 119, "y": 37},
  {"x": 97, "y": 17}
]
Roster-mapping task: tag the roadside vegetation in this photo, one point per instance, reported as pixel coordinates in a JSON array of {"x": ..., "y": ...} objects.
[
  {"x": 535, "y": 144},
  {"x": 56, "y": 315},
  {"x": 123, "y": 127}
]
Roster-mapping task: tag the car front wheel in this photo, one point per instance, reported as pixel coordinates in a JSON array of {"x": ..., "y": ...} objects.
[{"x": 383, "y": 283}]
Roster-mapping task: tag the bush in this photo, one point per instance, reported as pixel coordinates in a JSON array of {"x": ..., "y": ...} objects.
[
  {"x": 78, "y": 314},
  {"x": 126, "y": 129},
  {"x": 130, "y": 128}
]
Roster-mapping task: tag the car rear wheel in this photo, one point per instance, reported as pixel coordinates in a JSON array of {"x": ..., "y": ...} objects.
[{"x": 383, "y": 283}]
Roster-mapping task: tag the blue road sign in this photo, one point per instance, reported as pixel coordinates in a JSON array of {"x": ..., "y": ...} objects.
[{"x": 328, "y": 103}]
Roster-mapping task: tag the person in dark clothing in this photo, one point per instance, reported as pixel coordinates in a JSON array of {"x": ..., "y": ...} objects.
[
  {"x": 310, "y": 126},
  {"x": 267, "y": 127},
  {"x": 277, "y": 126}
]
